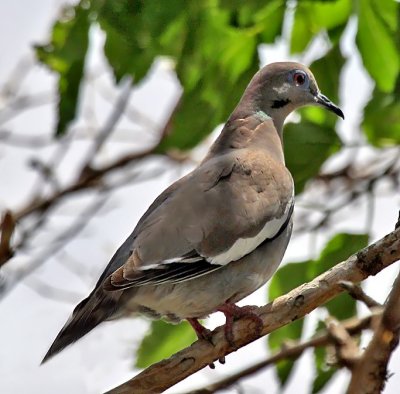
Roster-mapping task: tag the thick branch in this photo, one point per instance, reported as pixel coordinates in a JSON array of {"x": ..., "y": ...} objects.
[
  {"x": 370, "y": 374},
  {"x": 352, "y": 326},
  {"x": 285, "y": 309}
]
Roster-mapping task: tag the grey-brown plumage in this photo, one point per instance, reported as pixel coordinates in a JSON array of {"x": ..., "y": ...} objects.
[{"x": 220, "y": 232}]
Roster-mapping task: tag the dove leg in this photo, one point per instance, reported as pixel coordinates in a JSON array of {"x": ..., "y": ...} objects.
[
  {"x": 204, "y": 333},
  {"x": 233, "y": 312},
  {"x": 201, "y": 331}
]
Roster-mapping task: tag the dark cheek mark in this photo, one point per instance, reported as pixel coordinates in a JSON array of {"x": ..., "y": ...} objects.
[{"x": 280, "y": 103}]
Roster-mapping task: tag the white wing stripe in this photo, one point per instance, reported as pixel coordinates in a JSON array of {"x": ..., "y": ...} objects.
[{"x": 244, "y": 246}]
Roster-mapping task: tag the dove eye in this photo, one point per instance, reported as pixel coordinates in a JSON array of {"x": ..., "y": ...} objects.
[{"x": 299, "y": 78}]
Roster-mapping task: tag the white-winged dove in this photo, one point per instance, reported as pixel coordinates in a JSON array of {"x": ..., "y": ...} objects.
[{"x": 219, "y": 233}]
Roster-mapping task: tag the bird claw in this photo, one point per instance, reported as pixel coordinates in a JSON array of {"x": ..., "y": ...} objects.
[
  {"x": 221, "y": 361},
  {"x": 233, "y": 312}
]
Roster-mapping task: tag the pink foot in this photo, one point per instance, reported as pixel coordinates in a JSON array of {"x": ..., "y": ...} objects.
[
  {"x": 201, "y": 331},
  {"x": 205, "y": 334},
  {"x": 233, "y": 312}
]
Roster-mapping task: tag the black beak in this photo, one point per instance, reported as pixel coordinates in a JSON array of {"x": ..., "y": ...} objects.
[{"x": 325, "y": 102}]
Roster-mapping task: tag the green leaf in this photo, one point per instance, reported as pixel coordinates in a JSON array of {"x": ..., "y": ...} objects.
[
  {"x": 313, "y": 16},
  {"x": 265, "y": 18},
  {"x": 162, "y": 341},
  {"x": 270, "y": 20},
  {"x": 276, "y": 339},
  {"x": 213, "y": 72},
  {"x": 285, "y": 279},
  {"x": 389, "y": 12},
  {"x": 338, "y": 249},
  {"x": 327, "y": 72},
  {"x": 138, "y": 31},
  {"x": 376, "y": 43},
  {"x": 381, "y": 122},
  {"x": 65, "y": 54},
  {"x": 212, "y": 84},
  {"x": 312, "y": 140},
  {"x": 323, "y": 372}
]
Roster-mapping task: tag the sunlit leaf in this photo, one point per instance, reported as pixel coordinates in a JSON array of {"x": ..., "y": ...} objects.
[
  {"x": 263, "y": 17},
  {"x": 389, "y": 12},
  {"x": 377, "y": 45},
  {"x": 313, "y": 16},
  {"x": 137, "y": 32},
  {"x": 196, "y": 116},
  {"x": 162, "y": 341},
  {"x": 338, "y": 249},
  {"x": 65, "y": 54}
]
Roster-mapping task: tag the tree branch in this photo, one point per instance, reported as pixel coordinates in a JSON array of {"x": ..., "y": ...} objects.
[
  {"x": 352, "y": 326},
  {"x": 347, "y": 351},
  {"x": 7, "y": 227},
  {"x": 109, "y": 126},
  {"x": 60, "y": 241},
  {"x": 356, "y": 292},
  {"x": 370, "y": 373},
  {"x": 285, "y": 309}
]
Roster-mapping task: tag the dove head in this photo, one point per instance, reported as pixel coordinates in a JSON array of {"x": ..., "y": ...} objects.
[{"x": 280, "y": 88}]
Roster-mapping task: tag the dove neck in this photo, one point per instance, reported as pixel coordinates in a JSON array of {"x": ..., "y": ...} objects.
[{"x": 254, "y": 130}]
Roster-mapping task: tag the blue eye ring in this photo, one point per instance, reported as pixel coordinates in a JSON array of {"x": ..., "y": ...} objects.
[{"x": 300, "y": 78}]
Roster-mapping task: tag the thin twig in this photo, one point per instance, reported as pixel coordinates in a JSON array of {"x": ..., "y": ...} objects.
[
  {"x": 24, "y": 102},
  {"x": 90, "y": 181},
  {"x": 47, "y": 291},
  {"x": 347, "y": 351},
  {"x": 358, "y": 294},
  {"x": 350, "y": 182},
  {"x": 109, "y": 126},
  {"x": 59, "y": 242}
]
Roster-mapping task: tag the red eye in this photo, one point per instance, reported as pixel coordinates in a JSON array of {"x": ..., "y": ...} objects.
[{"x": 299, "y": 78}]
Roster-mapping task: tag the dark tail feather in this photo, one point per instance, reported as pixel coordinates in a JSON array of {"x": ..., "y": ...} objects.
[{"x": 89, "y": 313}]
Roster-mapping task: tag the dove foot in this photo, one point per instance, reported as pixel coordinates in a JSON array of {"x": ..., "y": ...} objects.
[
  {"x": 205, "y": 334},
  {"x": 201, "y": 331},
  {"x": 233, "y": 312}
]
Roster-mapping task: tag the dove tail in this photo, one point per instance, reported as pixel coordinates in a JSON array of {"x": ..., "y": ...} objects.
[{"x": 89, "y": 313}]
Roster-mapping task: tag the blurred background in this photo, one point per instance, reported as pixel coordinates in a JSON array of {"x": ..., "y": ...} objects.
[{"x": 103, "y": 104}]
